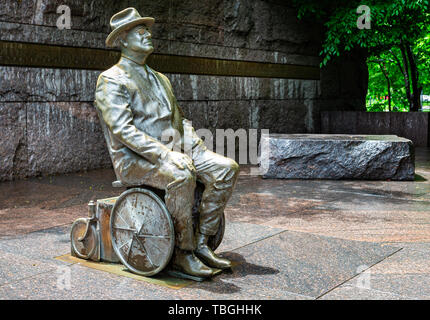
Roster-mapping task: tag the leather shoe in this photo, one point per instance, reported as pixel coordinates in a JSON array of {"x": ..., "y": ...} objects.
[
  {"x": 187, "y": 262},
  {"x": 207, "y": 255}
]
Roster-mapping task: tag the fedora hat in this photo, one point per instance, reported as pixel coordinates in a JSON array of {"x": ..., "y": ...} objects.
[{"x": 124, "y": 20}]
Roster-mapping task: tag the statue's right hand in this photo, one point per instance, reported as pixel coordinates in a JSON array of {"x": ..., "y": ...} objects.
[{"x": 180, "y": 160}]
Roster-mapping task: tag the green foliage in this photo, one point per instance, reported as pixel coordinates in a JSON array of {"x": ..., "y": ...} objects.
[
  {"x": 378, "y": 84},
  {"x": 395, "y": 25},
  {"x": 391, "y": 22}
]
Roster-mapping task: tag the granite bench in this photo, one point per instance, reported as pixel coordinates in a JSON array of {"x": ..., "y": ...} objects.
[{"x": 326, "y": 156}]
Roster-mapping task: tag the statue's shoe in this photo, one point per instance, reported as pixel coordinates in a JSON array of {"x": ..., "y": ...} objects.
[
  {"x": 208, "y": 256},
  {"x": 187, "y": 262}
]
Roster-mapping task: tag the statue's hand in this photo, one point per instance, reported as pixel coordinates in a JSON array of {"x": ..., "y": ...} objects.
[{"x": 180, "y": 160}]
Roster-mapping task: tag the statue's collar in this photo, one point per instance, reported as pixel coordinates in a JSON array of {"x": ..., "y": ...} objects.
[{"x": 132, "y": 60}]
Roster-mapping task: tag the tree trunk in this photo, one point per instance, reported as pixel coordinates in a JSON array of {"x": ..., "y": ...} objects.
[
  {"x": 385, "y": 73},
  {"x": 416, "y": 92},
  {"x": 406, "y": 75}
]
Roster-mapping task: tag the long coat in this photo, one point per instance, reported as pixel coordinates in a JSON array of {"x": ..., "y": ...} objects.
[{"x": 136, "y": 106}]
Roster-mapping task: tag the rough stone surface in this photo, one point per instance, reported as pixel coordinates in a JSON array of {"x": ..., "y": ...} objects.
[
  {"x": 47, "y": 84},
  {"x": 83, "y": 38},
  {"x": 48, "y": 138},
  {"x": 283, "y": 116},
  {"x": 411, "y": 125},
  {"x": 64, "y": 137},
  {"x": 13, "y": 152},
  {"x": 337, "y": 157},
  {"x": 242, "y": 23},
  {"x": 201, "y": 87}
]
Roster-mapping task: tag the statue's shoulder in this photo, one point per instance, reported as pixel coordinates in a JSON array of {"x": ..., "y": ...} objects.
[{"x": 114, "y": 74}]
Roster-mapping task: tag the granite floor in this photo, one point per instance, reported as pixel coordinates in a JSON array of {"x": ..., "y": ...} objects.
[{"x": 290, "y": 239}]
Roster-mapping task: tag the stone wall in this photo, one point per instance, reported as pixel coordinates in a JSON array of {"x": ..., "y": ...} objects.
[
  {"x": 410, "y": 125},
  {"x": 48, "y": 124}
]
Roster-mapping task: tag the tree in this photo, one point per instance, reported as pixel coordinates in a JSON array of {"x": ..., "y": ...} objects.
[{"x": 398, "y": 34}]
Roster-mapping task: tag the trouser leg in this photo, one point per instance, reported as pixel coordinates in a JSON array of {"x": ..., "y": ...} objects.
[
  {"x": 179, "y": 186},
  {"x": 219, "y": 175}
]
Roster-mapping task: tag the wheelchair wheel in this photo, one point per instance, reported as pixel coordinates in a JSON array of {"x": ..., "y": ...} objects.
[
  {"x": 142, "y": 231},
  {"x": 84, "y": 241}
]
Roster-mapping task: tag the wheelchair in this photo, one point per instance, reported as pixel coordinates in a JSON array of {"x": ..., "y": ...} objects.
[{"x": 135, "y": 229}]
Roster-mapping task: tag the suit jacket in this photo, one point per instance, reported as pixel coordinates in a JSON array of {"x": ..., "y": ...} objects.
[{"x": 136, "y": 105}]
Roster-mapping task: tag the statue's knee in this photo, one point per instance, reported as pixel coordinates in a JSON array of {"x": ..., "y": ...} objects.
[{"x": 234, "y": 169}]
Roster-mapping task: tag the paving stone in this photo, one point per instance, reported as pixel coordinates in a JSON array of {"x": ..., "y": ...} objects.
[
  {"x": 348, "y": 292},
  {"x": 301, "y": 263},
  {"x": 85, "y": 283},
  {"x": 238, "y": 234},
  {"x": 41, "y": 245},
  {"x": 15, "y": 267},
  {"x": 423, "y": 247},
  {"x": 15, "y": 221},
  {"x": 405, "y": 273},
  {"x": 345, "y": 215},
  {"x": 225, "y": 288}
]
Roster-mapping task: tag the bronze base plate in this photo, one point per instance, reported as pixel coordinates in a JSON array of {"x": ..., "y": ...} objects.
[{"x": 165, "y": 278}]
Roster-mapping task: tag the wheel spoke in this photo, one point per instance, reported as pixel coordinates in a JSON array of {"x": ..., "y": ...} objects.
[
  {"x": 120, "y": 247},
  {"x": 128, "y": 204},
  {"x": 134, "y": 227},
  {"x": 156, "y": 247},
  {"x": 146, "y": 253},
  {"x": 152, "y": 236},
  {"x": 129, "y": 249},
  {"x": 120, "y": 216},
  {"x": 125, "y": 229}
]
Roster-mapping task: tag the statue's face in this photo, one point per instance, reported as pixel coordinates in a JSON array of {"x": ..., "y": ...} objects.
[{"x": 139, "y": 39}]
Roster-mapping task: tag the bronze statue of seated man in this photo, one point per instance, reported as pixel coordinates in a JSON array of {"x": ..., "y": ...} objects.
[{"x": 138, "y": 107}]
